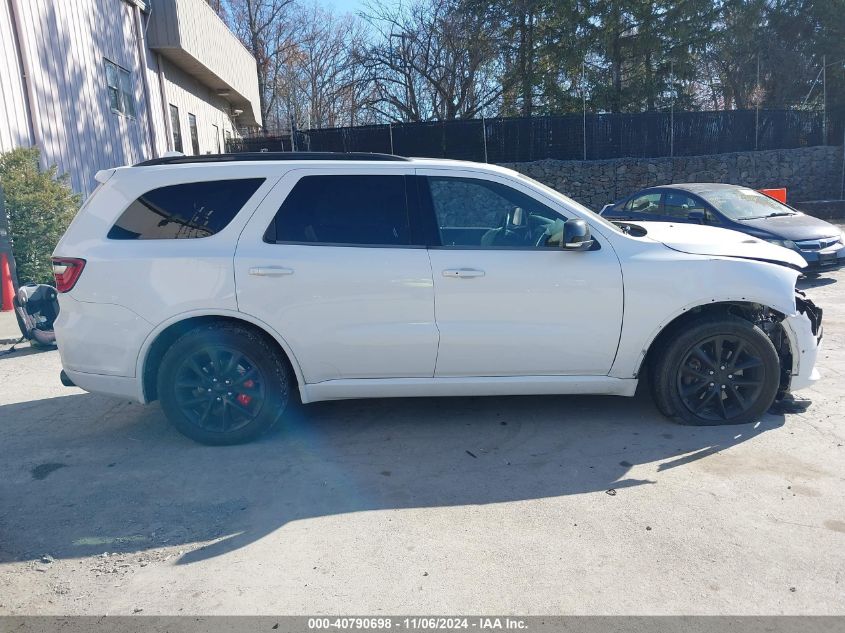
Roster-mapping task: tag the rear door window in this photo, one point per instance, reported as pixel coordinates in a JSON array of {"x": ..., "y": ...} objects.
[
  {"x": 345, "y": 210},
  {"x": 184, "y": 211}
]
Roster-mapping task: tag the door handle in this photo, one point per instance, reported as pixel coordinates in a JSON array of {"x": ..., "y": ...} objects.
[
  {"x": 270, "y": 271},
  {"x": 463, "y": 272}
]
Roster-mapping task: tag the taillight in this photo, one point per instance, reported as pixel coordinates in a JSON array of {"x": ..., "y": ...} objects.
[{"x": 67, "y": 270}]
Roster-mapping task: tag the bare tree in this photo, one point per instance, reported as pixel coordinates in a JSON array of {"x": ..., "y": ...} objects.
[
  {"x": 264, "y": 28},
  {"x": 432, "y": 61},
  {"x": 325, "y": 65}
]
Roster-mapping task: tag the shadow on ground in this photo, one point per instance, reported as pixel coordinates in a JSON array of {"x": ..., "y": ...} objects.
[
  {"x": 21, "y": 349},
  {"x": 814, "y": 280},
  {"x": 84, "y": 474}
]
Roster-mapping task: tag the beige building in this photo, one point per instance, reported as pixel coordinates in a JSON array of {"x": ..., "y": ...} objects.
[{"x": 99, "y": 83}]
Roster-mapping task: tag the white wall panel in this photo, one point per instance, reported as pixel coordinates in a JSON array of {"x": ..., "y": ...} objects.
[
  {"x": 192, "y": 35},
  {"x": 190, "y": 96},
  {"x": 14, "y": 127},
  {"x": 66, "y": 43}
]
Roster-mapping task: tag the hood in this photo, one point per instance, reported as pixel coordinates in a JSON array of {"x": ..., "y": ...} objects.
[
  {"x": 708, "y": 240},
  {"x": 793, "y": 227}
]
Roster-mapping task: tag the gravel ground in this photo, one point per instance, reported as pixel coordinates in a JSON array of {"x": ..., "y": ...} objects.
[{"x": 529, "y": 505}]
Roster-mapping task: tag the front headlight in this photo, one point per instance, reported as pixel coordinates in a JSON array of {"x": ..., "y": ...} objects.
[{"x": 785, "y": 243}]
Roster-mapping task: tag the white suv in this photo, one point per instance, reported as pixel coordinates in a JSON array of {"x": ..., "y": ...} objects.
[{"x": 218, "y": 284}]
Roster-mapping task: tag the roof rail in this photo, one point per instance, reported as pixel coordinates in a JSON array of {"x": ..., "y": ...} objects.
[{"x": 270, "y": 156}]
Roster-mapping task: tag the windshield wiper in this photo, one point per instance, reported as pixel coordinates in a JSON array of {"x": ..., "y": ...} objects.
[{"x": 778, "y": 213}]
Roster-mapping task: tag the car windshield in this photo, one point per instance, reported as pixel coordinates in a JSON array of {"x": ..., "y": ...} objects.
[{"x": 744, "y": 204}]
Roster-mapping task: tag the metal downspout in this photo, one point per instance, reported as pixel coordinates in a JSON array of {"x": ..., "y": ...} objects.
[
  {"x": 142, "y": 57},
  {"x": 33, "y": 121},
  {"x": 164, "y": 103}
]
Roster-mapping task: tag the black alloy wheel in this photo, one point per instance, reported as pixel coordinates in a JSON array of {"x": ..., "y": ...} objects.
[
  {"x": 720, "y": 378},
  {"x": 718, "y": 369},
  {"x": 223, "y": 383},
  {"x": 219, "y": 389}
]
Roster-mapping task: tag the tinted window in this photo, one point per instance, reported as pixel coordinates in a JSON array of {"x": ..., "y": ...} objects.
[
  {"x": 679, "y": 205},
  {"x": 190, "y": 210},
  {"x": 483, "y": 213},
  {"x": 358, "y": 210},
  {"x": 646, "y": 203}
]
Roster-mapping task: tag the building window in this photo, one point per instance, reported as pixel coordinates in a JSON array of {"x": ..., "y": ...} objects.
[
  {"x": 177, "y": 130},
  {"x": 195, "y": 137},
  {"x": 216, "y": 137},
  {"x": 119, "y": 82}
]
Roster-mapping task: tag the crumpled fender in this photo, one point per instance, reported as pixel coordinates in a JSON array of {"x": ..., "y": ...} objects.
[{"x": 804, "y": 330}]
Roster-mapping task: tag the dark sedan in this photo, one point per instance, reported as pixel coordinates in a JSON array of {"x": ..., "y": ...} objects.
[{"x": 740, "y": 209}]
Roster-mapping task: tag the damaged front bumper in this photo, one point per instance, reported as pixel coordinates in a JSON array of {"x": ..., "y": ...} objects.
[{"x": 804, "y": 330}]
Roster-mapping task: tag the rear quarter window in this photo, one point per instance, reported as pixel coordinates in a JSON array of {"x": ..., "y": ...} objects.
[{"x": 185, "y": 211}]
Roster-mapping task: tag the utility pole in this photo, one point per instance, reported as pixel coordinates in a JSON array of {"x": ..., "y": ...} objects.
[
  {"x": 292, "y": 125},
  {"x": 584, "y": 98},
  {"x": 291, "y": 120},
  {"x": 842, "y": 192},
  {"x": 824, "y": 99},
  {"x": 484, "y": 136},
  {"x": 757, "y": 106},
  {"x": 672, "y": 110}
]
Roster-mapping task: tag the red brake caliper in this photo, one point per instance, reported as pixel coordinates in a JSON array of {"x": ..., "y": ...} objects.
[{"x": 242, "y": 397}]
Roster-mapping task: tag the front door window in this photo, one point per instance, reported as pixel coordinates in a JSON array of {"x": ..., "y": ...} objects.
[
  {"x": 487, "y": 214},
  {"x": 645, "y": 204},
  {"x": 680, "y": 205}
]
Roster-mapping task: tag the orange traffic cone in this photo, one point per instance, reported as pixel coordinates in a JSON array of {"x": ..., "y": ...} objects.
[{"x": 7, "y": 288}]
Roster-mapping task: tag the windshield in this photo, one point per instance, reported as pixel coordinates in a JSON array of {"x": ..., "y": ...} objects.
[
  {"x": 744, "y": 204},
  {"x": 569, "y": 202}
]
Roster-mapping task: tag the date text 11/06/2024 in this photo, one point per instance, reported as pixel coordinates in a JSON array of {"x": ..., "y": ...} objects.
[{"x": 418, "y": 623}]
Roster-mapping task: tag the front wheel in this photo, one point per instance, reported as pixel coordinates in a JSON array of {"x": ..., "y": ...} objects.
[
  {"x": 223, "y": 384},
  {"x": 717, "y": 371}
]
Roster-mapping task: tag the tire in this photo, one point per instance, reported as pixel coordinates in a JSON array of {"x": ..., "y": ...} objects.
[
  {"x": 199, "y": 402},
  {"x": 689, "y": 386}
]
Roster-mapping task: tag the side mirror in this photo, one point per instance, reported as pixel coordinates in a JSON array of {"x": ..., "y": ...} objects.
[
  {"x": 576, "y": 236},
  {"x": 696, "y": 216}
]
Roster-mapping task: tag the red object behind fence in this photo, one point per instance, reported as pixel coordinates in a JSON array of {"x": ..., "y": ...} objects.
[
  {"x": 777, "y": 194},
  {"x": 7, "y": 288}
]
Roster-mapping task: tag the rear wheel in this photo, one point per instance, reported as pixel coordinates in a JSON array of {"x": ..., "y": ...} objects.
[
  {"x": 717, "y": 371},
  {"x": 223, "y": 384}
]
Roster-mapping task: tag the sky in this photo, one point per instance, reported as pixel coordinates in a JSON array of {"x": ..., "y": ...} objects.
[
  {"x": 351, "y": 6},
  {"x": 343, "y": 6}
]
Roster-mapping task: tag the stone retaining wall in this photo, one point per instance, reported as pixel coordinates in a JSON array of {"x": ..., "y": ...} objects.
[
  {"x": 824, "y": 209},
  {"x": 811, "y": 173}
]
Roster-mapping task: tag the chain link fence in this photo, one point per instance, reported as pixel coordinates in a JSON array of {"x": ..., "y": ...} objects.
[{"x": 571, "y": 136}]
